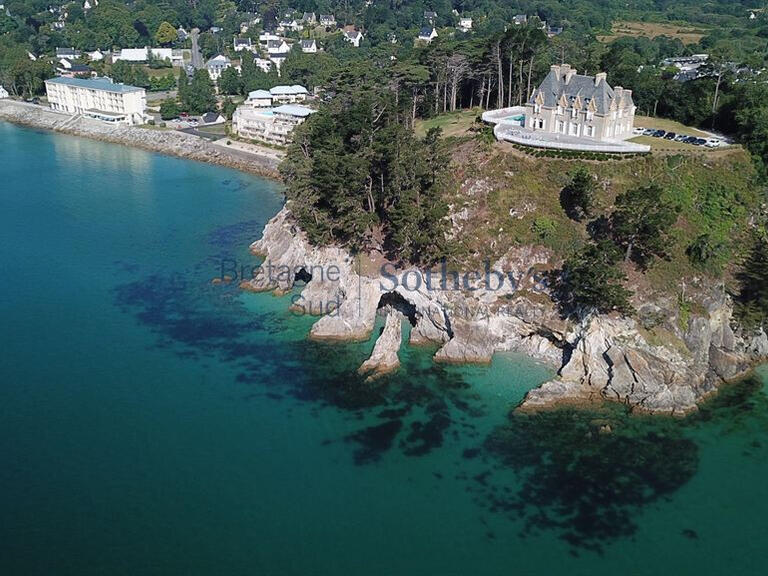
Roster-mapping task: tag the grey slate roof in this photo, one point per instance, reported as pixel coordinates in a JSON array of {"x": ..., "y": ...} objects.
[{"x": 554, "y": 86}]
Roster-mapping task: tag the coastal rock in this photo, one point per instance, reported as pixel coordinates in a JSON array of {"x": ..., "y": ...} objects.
[
  {"x": 655, "y": 366},
  {"x": 384, "y": 358}
]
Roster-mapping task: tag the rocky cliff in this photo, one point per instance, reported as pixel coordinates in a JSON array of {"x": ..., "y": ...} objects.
[{"x": 661, "y": 365}]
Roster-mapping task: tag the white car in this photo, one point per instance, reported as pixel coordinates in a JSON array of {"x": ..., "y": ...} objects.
[
  {"x": 638, "y": 130},
  {"x": 713, "y": 143}
]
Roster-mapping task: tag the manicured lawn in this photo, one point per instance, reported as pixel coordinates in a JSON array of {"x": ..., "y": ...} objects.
[
  {"x": 669, "y": 126},
  {"x": 453, "y": 123},
  {"x": 685, "y": 33}
]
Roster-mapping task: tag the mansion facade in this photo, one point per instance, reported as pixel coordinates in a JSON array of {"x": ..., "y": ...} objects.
[{"x": 580, "y": 106}]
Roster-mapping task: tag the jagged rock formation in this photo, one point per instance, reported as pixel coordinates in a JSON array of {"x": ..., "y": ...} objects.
[
  {"x": 662, "y": 368},
  {"x": 384, "y": 357}
]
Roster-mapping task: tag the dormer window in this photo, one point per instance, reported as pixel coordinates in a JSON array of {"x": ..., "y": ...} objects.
[
  {"x": 559, "y": 109},
  {"x": 574, "y": 112},
  {"x": 537, "y": 108},
  {"x": 590, "y": 115}
]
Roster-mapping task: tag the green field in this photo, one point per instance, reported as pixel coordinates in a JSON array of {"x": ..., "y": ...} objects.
[{"x": 452, "y": 123}]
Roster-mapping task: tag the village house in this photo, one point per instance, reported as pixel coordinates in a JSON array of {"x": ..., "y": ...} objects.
[
  {"x": 309, "y": 18},
  {"x": 327, "y": 20},
  {"x": 309, "y": 46},
  {"x": 520, "y": 20},
  {"x": 465, "y": 24},
  {"x": 139, "y": 55},
  {"x": 288, "y": 94},
  {"x": 217, "y": 65},
  {"x": 258, "y": 99},
  {"x": 95, "y": 56},
  {"x": 582, "y": 106},
  {"x": 427, "y": 34},
  {"x": 70, "y": 69},
  {"x": 182, "y": 34},
  {"x": 241, "y": 44},
  {"x": 271, "y": 125},
  {"x": 353, "y": 36},
  {"x": 69, "y": 53},
  {"x": 430, "y": 16},
  {"x": 263, "y": 64},
  {"x": 3, "y": 93},
  {"x": 98, "y": 98}
]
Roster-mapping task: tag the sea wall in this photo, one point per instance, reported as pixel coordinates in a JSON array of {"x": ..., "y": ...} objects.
[
  {"x": 159, "y": 140},
  {"x": 667, "y": 367}
]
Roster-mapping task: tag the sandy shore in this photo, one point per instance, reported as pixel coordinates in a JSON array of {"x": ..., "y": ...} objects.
[{"x": 253, "y": 159}]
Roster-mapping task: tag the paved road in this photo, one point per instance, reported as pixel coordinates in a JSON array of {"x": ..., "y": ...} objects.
[{"x": 197, "y": 57}]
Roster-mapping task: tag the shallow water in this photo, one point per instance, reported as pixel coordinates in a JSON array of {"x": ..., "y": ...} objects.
[{"x": 153, "y": 422}]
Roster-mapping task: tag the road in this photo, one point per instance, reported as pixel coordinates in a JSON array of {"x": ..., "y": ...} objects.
[{"x": 197, "y": 57}]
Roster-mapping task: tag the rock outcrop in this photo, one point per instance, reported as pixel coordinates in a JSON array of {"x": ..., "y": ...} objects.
[
  {"x": 662, "y": 367},
  {"x": 384, "y": 358}
]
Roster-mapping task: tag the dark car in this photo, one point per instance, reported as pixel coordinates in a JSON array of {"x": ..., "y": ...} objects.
[
  {"x": 700, "y": 142},
  {"x": 690, "y": 140},
  {"x": 659, "y": 133},
  {"x": 670, "y": 136}
]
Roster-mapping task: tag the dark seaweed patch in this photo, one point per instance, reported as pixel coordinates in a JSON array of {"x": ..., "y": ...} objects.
[
  {"x": 374, "y": 441},
  {"x": 589, "y": 486}
]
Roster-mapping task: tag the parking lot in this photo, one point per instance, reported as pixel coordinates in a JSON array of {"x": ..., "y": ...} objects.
[{"x": 680, "y": 138}]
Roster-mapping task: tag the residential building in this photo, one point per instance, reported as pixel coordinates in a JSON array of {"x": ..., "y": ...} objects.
[
  {"x": 3, "y": 93},
  {"x": 258, "y": 99},
  {"x": 553, "y": 30},
  {"x": 69, "y": 53},
  {"x": 98, "y": 98},
  {"x": 427, "y": 34},
  {"x": 278, "y": 46},
  {"x": 327, "y": 20},
  {"x": 353, "y": 36},
  {"x": 71, "y": 69},
  {"x": 217, "y": 65},
  {"x": 288, "y": 94},
  {"x": 465, "y": 24},
  {"x": 263, "y": 64},
  {"x": 241, "y": 44},
  {"x": 309, "y": 18},
  {"x": 210, "y": 118},
  {"x": 95, "y": 56},
  {"x": 271, "y": 125},
  {"x": 265, "y": 37},
  {"x": 520, "y": 20},
  {"x": 581, "y": 106},
  {"x": 430, "y": 16},
  {"x": 182, "y": 34},
  {"x": 309, "y": 46}
]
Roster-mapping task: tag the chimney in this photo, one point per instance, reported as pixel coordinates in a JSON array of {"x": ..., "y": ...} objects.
[
  {"x": 556, "y": 69},
  {"x": 600, "y": 77},
  {"x": 567, "y": 72}
]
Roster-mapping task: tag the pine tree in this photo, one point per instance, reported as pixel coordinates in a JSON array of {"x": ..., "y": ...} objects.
[
  {"x": 752, "y": 300},
  {"x": 578, "y": 197}
]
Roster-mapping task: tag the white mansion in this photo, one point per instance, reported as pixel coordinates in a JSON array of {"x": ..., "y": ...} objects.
[
  {"x": 580, "y": 106},
  {"x": 98, "y": 98}
]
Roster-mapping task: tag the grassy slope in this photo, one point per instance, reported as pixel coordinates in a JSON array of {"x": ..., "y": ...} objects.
[{"x": 715, "y": 193}]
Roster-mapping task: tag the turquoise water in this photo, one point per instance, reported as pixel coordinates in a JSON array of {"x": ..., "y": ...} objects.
[{"x": 152, "y": 422}]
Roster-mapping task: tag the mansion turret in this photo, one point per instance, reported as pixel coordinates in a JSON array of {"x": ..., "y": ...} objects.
[{"x": 580, "y": 106}]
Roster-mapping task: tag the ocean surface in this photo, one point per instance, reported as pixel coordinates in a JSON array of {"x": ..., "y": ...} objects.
[{"x": 155, "y": 422}]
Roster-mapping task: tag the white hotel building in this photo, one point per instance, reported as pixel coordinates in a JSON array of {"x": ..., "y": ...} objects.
[{"x": 98, "y": 98}]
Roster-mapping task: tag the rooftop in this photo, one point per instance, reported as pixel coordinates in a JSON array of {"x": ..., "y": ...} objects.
[
  {"x": 105, "y": 84},
  {"x": 294, "y": 110}
]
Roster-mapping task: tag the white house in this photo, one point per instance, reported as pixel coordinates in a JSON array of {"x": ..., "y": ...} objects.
[
  {"x": 465, "y": 24},
  {"x": 309, "y": 46},
  {"x": 327, "y": 20},
  {"x": 258, "y": 99},
  {"x": 210, "y": 118},
  {"x": 265, "y": 37},
  {"x": 70, "y": 53},
  {"x": 278, "y": 46},
  {"x": 3, "y": 93},
  {"x": 309, "y": 18},
  {"x": 241, "y": 44},
  {"x": 272, "y": 125},
  {"x": 263, "y": 64},
  {"x": 98, "y": 98},
  {"x": 353, "y": 37},
  {"x": 95, "y": 56},
  {"x": 288, "y": 94},
  {"x": 175, "y": 57},
  {"x": 217, "y": 65},
  {"x": 427, "y": 34}
]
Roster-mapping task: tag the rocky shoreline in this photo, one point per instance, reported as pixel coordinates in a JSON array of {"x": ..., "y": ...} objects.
[
  {"x": 667, "y": 367},
  {"x": 171, "y": 142}
]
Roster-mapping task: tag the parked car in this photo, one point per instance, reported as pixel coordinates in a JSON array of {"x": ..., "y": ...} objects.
[
  {"x": 670, "y": 136},
  {"x": 690, "y": 139},
  {"x": 660, "y": 133},
  {"x": 638, "y": 130},
  {"x": 648, "y": 132},
  {"x": 713, "y": 143},
  {"x": 680, "y": 138},
  {"x": 700, "y": 142}
]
